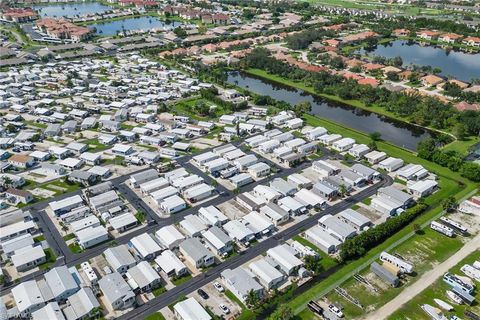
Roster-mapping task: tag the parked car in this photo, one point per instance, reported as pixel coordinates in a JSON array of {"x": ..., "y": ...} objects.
[
  {"x": 218, "y": 286},
  {"x": 202, "y": 294},
  {"x": 224, "y": 308},
  {"x": 335, "y": 310}
]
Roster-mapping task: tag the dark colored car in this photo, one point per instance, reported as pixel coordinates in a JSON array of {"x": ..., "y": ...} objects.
[{"x": 202, "y": 294}]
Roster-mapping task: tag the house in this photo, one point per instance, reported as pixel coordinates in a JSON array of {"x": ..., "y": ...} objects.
[
  {"x": 355, "y": 219},
  {"x": 144, "y": 246},
  {"x": 258, "y": 223},
  {"x": 275, "y": 213},
  {"x": 343, "y": 144},
  {"x": 61, "y": 283},
  {"x": 268, "y": 194},
  {"x": 16, "y": 196},
  {"x": 59, "y": 152},
  {"x": 315, "y": 133},
  {"x": 392, "y": 193},
  {"x": 325, "y": 190},
  {"x": 358, "y": 150},
  {"x": 27, "y": 257},
  {"x": 21, "y": 161},
  {"x": 212, "y": 216},
  {"x": 172, "y": 204},
  {"x": 122, "y": 149},
  {"x": 123, "y": 222},
  {"x": 292, "y": 206},
  {"x": 91, "y": 158},
  {"x": 391, "y": 164},
  {"x": 116, "y": 292},
  {"x": 169, "y": 237},
  {"x": 322, "y": 239},
  {"x": 65, "y": 205},
  {"x": 423, "y": 188},
  {"x": 268, "y": 276},
  {"x": 375, "y": 156},
  {"x": 28, "y": 297},
  {"x": 259, "y": 170},
  {"x": 81, "y": 305},
  {"x": 190, "y": 309},
  {"x": 196, "y": 253},
  {"x": 367, "y": 173},
  {"x": 238, "y": 231},
  {"x": 119, "y": 258},
  {"x": 325, "y": 168},
  {"x": 412, "y": 172},
  {"x": 310, "y": 199},
  {"x": 431, "y": 80},
  {"x": 142, "y": 177},
  {"x": 13, "y": 230},
  {"x": 143, "y": 277},
  {"x": 198, "y": 192},
  {"x": 83, "y": 177},
  {"x": 240, "y": 283},
  {"x": 428, "y": 34},
  {"x": 71, "y": 163},
  {"x": 92, "y": 236},
  {"x": 284, "y": 256},
  {"x": 250, "y": 201},
  {"x": 283, "y": 187},
  {"x": 193, "y": 225},
  {"x": 216, "y": 240},
  {"x": 171, "y": 264},
  {"x": 450, "y": 37},
  {"x": 246, "y": 161},
  {"x": 299, "y": 181},
  {"x": 39, "y": 155},
  {"x": 51, "y": 311},
  {"x": 471, "y": 41},
  {"x": 340, "y": 230},
  {"x": 159, "y": 195},
  {"x": 53, "y": 169}
]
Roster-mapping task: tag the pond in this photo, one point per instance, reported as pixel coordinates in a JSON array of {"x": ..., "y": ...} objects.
[
  {"x": 460, "y": 65},
  {"x": 71, "y": 9},
  {"x": 145, "y": 23},
  {"x": 396, "y": 132}
]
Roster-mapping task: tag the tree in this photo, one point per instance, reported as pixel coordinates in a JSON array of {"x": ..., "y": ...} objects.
[
  {"x": 375, "y": 136},
  {"x": 180, "y": 32},
  {"x": 302, "y": 107},
  {"x": 283, "y": 312},
  {"x": 459, "y": 131},
  {"x": 343, "y": 190},
  {"x": 252, "y": 298},
  {"x": 372, "y": 145},
  {"x": 449, "y": 204},
  {"x": 416, "y": 228},
  {"x": 313, "y": 264}
]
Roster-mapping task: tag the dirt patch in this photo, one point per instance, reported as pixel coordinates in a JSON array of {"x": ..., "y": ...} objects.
[{"x": 232, "y": 209}]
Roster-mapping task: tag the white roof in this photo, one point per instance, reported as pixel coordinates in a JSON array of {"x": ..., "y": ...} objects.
[
  {"x": 265, "y": 271},
  {"x": 257, "y": 222},
  {"x": 284, "y": 257},
  {"x": 169, "y": 262},
  {"x": 212, "y": 215},
  {"x": 164, "y": 193},
  {"x": 168, "y": 235},
  {"x": 122, "y": 220},
  {"x": 14, "y": 228},
  {"x": 145, "y": 245},
  {"x": 237, "y": 230},
  {"x": 84, "y": 223},
  {"x": 190, "y": 309},
  {"x": 51, "y": 311},
  {"x": 27, "y": 294},
  {"x": 216, "y": 237},
  {"x": 172, "y": 202},
  {"x": 322, "y": 237},
  {"x": 143, "y": 274},
  {"x": 91, "y": 233},
  {"x": 193, "y": 224},
  {"x": 27, "y": 254},
  {"x": 423, "y": 185}
]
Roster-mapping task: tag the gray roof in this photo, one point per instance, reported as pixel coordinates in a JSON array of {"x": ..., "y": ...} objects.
[
  {"x": 282, "y": 186},
  {"x": 114, "y": 287},
  {"x": 59, "y": 279},
  {"x": 241, "y": 280},
  {"x": 195, "y": 249},
  {"x": 119, "y": 256},
  {"x": 81, "y": 304},
  {"x": 392, "y": 192}
]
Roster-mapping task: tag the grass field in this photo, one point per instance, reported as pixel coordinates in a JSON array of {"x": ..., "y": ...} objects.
[
  {"x": 155, "y": 316},
  {"x": 326, "y": 261},
  {"x": 412, "y": 309},
  {"x": 423, "y": 250}
]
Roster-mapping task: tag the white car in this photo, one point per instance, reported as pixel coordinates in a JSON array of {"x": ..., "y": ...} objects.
[
  {"x": 218, "y": 286},
  {"x": 224, "y": 308},
  {"x": 335, "y": 310}
]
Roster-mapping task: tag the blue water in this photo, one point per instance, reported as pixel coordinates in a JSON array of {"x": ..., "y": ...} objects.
[
  {"x": 142, "y": 23},
  {"x": 460, "y": 65},
  {"x": 71, "y": 9}
]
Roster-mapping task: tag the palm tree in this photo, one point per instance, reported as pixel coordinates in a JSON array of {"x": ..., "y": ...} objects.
[
  {"x": 252, "y": 298},
  {"x": 343, "y": 190}
]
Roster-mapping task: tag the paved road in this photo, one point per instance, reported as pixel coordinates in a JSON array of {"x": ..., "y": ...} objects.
[
  {"x": 170, "y": 296},
  {"x": 426, "y": 280}
]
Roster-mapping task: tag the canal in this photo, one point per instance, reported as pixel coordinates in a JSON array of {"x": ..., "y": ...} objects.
[
  {"x": 71, "y": 9},
  {"x": 396, "y": 132},
  {"x": 461, "y": 65},
  {"x": 144, "y": 23}
]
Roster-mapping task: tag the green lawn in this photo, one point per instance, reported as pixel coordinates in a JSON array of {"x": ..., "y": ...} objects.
[
  {"x": 69, "y": 236},
  {"x": 412, "y": 309},
  {"x": 179, "y": 281},
  {"x": 327, "y": 262},
  {"x": 95, "y": 146},
  {"x": 155, "y": 316},
  {"x": 50, "y": 259},
  {"x": 232, "y": 297},
  {"x": 75, "y": 248},
  {"x": 367, "y": 201},
  {"x": 159, "y": 291},
  {"x": 450, "y": 184},
  {"x": 423, "y": 250},
  {"x": 462, "y": 146},
  {"x": 39, "y": 238}
]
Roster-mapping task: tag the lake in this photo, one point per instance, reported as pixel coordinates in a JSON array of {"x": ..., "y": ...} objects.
[
  {"x": 396, "y": 132},
  {"x": 461, "y": 65},
  {"x": 111, "y": 28},
  {"x": 71, "y": 9}
]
